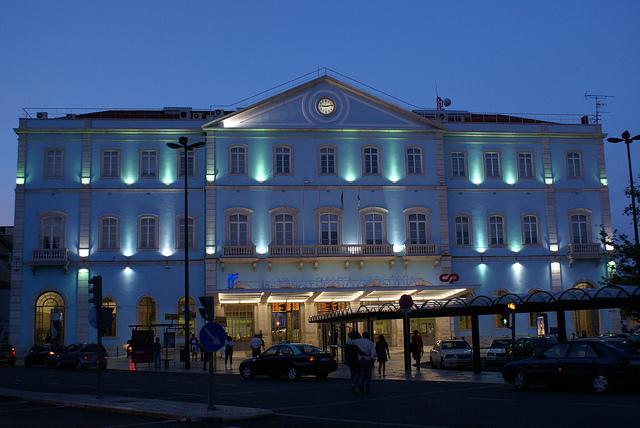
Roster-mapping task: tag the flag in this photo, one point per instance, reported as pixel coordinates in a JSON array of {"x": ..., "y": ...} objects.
[
  {"x": 342, "y": 199},
  {"x": 358, "y": 199}
]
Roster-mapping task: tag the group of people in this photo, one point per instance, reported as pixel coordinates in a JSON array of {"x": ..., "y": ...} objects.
[
  {"x": 196, "y": 346},
  {"x": 360, "y": 355}
]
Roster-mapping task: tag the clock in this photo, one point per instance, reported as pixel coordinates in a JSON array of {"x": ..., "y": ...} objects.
[{"x": 325, "y": 106}]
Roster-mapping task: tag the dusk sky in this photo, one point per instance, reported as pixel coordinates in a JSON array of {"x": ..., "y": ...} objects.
[{"x": 489, "y": 56}]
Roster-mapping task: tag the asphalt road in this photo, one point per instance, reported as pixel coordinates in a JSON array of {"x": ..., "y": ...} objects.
[{"x": 312, "y": 403}]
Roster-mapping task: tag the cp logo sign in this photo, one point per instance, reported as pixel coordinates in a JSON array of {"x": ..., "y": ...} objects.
[{"x": 449, "y": 277}]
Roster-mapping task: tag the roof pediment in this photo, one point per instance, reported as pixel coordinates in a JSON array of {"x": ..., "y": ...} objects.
[{"x": 297, "y": 108}]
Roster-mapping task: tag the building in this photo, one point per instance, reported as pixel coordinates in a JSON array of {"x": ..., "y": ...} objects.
[
  {"x": 6, "y": 247},
  {"x": 316, "y": 198}
]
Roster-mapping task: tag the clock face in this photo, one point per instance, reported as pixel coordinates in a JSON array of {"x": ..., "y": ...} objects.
[{"x": 326, "y": 106}]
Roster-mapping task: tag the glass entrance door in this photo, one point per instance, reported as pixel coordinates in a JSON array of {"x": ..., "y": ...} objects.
[
  {"x": 426, "y": 327},
  {"x": 285, "y": 322}
]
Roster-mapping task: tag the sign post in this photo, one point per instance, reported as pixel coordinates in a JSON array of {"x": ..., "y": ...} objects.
[
  {"x": 405, "y": 304},
  {"x": 212, "y": 338}
]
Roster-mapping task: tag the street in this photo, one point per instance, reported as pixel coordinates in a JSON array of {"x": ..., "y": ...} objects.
[{"x": 312, "y": 403}]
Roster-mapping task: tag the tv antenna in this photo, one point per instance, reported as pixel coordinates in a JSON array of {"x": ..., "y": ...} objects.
[{"x": 598, "y": 98}]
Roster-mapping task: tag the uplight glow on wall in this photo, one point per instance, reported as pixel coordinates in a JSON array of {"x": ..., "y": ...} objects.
[
  {"x": 260, "y": 163},
  {"x": 128, "y": 180},
  {"x": 398, "y": 248},
  {"x": 262, "y": 249},
  {"x": 210, "y": 250},
  {"x": 20, "y": 180},
  {"x": 83, "y": 252},
  {"x": 86, "y": 180}
]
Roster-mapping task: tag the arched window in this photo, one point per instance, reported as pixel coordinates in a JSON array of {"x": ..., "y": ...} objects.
[
  {"x": 463, "y": 230},
  {"x": 496, "y": 231},
  {"x": 530, "y": 230},
  {"x": 109, "y": 233},
  {"x": 192, "y": 319},
  {"x": 49, "y": 323},
  {"x": 146, "y": 312},
  {"x": 108, "y": 302},
  {"x": 191, "y": 163},
  {"x": 52, "y": 231},
  {"x": 417, "y": 228},
  {"x": 373, "y": 221},
  {"x": 238, "y": 160},
  {"x": 148, "y": 233},
  {"x": 414, "y": 160},
  {"x": 580, "y": 223},
  {"x": 371, "y": 161},
  {"x": 190, "y": 231},
  {"x": 238, "y": 232},
  {"x": 574, "y": 165},
  {"x": 329, "y": 230},
  {"x": 284, "y": 225}
]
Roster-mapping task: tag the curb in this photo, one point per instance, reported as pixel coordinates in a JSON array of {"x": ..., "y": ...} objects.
[{"x": 119, "y": 405}]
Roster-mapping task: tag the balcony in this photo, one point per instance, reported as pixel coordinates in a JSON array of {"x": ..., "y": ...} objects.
[
  {"x": 339, "y": 250},
  {"x": 585, "y": 251},
  {"x": 421, "y": 249},
  {"x": 239, "y": 251},
  {"x": 50, "y": 257}
]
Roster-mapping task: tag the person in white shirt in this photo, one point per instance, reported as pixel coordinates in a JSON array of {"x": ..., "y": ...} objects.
[{"x": 367, "y": 357}]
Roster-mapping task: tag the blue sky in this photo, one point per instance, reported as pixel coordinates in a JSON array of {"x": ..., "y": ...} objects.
[{"x": 490, "y": 56}]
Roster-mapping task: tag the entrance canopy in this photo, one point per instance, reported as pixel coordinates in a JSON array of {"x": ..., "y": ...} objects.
[
  {"x": 366, "y": 295},
  {"x": 610, "y": 296}
]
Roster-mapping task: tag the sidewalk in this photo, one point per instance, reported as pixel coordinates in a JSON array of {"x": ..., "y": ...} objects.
[
  {"x": 162, "y": 409},
  {"x": 394, "y": 369}
]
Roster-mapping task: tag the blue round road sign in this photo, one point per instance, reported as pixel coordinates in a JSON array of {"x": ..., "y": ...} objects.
[{"x": 212, "y": 337}]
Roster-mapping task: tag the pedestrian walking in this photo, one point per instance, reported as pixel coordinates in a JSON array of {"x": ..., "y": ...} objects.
[
  {"x": 194, "y": 347},
  {"x": 228, "y": 351},
  {"x": 256, "y": 345},
  {"x": 157, "y": 348},
  {"x": 351, "y": 359},
  {"x": 417, "y": 348},
  {"x": 382, "y": 351},
  {"x": 367, "y": 358}
]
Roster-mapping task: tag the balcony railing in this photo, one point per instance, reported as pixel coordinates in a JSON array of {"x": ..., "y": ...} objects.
[
  {"x": 585, "y": 251},
  {"x": 239, "y": 251},
  {"x": 50, "y": 257},
  {"x": 340, "y": 250},
  {"x": 421, "y": 249}
]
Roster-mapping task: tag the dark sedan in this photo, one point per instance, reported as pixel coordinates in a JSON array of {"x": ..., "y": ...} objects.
[
  {"x": 600, "y": 364},
  {"x": 7, "y": 354},
  {"x": 42, "y": 355},
  {"x": 526, "y": 347},
  {"x": 82, "y": 355},
  {"x": 292, "y": 359}
]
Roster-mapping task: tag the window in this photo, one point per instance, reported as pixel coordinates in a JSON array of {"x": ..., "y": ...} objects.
[
  {"x": 52, "y": 232},
  {"x": 148, "y": 233},
  {"x": 191, "y": 163},
  {"x": 109, "y": 303},
  {"x": 496, "y": 231},
  {"x": 458, "y": 164},
  {"x": 327, "y": 160},
  {"x": 463, "y": 236},
  {"x": 417, "y": 228},
  {"x": 329, "y": 229},
  {"x": 414, "y": 160},
  {"x": 239, "y": 321},
  {"x": 108, "y": 233},
  {"x": 238, "y": 232},
  {"x": 53, "y": 163},
  {"x": 498, "y": 321},
  {"x": 492, "y": 165},
  {"x": 284, "y": 226},
  {"x": 110, "y": 164},
  {"x": 530, "y": 230},
  {"x": 283, "y": 160},
  {"x": 238, "y": 160},
  {"x": 525, "y": 165},
  {"x": 181, "y": 317},
  {"x": 580, "y": 229},
  {"x": 558, "y": 350},
  {"x": 146, "y": 312},
  {"x": 148, "y": 164},
  {"x": 574, "y": 165},
  {"x": 465, "y": 322},
  {"x": 180, "y": 233},
  {"x": 371, "y": 161},
  {"x": 373, "y": 228},
  {"x": 49, "y": 323}
]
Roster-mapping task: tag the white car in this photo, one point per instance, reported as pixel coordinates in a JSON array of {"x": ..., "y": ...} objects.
[
  {"x": 497, "y": 352},
  {"x": 451, "y": 353}
]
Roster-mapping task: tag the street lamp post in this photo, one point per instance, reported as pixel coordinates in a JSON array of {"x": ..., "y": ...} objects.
[
  {"x": 627, "y": 139},
  {"x": 186, "y": 148}
]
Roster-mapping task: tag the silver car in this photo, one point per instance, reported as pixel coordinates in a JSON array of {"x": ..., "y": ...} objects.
[
  {"x": 497, "y": 352},
  {"x": 451, "y": 353}
]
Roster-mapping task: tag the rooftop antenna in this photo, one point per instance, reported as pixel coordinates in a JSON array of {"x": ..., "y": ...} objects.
[
  {"x": 599, "y": 104},
  {"x": 441, "y": 103}
]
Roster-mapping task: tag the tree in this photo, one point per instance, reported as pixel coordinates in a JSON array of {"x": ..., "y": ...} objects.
[{"x": 624, "y": 264}]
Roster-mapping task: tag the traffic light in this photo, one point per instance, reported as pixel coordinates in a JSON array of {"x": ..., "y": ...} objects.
[
  {"x": 504, "y": 319},
  {"x": 95, "y": 290},
  {"x": 206, "y": 312}
]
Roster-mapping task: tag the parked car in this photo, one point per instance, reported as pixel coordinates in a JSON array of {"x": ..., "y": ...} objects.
[
  {"x": 82, "y": 355},
  {"x": 526, "y": 347},
  {"x": 497, "y": 352},
  {"x": 599, "y": 364},
  {"x": 42, "y": 355},
  {"x": 451, "y": 353},
  {"x": 292, "y": 359},
  {"x": 7, "y": 354}
]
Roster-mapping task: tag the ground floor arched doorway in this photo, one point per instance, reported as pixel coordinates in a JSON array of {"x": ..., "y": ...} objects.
[
  {"x": 586, "y": 322},
  {"x": 49, "y": 318}
]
